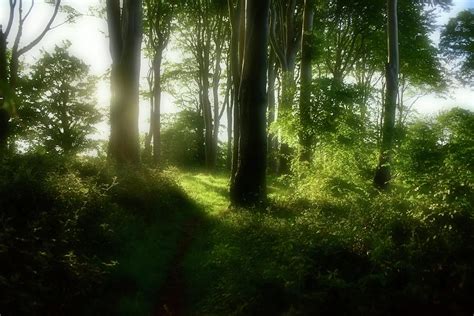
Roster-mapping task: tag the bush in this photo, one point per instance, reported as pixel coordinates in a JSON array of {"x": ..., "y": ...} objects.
[{"x": 70, "y": 229}]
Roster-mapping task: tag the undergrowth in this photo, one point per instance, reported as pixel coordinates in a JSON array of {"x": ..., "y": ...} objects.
[{"x": 79, "y": 237}]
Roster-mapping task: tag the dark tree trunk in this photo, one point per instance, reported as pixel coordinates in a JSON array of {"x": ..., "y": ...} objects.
[
  {"x": 249, "y": 185},
  {"x": 125, "y": 31},
  {"x": 157, "y": 107},
  {"x": 306, "y": 77},
  {"x": 236, "y": 14},
  {"x": 383, "y": 174}
]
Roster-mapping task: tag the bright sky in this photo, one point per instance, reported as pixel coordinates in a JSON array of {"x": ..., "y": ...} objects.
[{"x": 89, "y": 42}]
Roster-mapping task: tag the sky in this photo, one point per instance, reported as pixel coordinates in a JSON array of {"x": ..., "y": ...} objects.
[{"x": 90, "y": 43}]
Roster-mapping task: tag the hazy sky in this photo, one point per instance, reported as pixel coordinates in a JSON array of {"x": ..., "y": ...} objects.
[{"x": 89, "y": 42}]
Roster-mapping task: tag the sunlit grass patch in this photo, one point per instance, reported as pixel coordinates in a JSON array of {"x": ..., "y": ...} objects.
[{"x": 208, "y": 190}]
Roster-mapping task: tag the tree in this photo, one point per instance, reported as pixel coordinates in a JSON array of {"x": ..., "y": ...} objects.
[
  {"x": 60, "y": 97},
  {"x": 125, "y": 32},
  {"x": 10, "y": 57},
  {"x": 457, "y": 43},
  {"x": 204, "y": 33},
  {"x": 382, "y": 174},
  {"x": 157, "y": 25},
  {"x": 306, "y": 78},
  {"x": 236, "y": 48},
  {"x": 249, "y": 184},
  {"x": 285, "y": 39}
]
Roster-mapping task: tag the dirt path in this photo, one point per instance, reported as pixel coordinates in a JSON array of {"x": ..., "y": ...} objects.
[{"x": 171, "y": 298}]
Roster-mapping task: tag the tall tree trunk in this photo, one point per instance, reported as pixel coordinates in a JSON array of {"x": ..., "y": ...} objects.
[
  {"x": 157, "y": 107},
  {"x": 306, "y": 77},
  {"x": 149, "y": 136},
  {"x": 249, "y": 185},
  {"x": 208, "y": 127},
  {"x": 4, "y": 115},
  {"x": 288, "y": 89},
  {"x": 230, "y": 106},
  {"x": 272, "y": 141},
  {"x": 125, "y": 31},
  {"x": 383, "y": 174},
  {"x": 237, "y": 14},
  {"x": 219, "y": 43}
]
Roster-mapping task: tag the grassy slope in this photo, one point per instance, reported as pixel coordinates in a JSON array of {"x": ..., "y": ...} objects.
[{"x": 357, "y": 253}]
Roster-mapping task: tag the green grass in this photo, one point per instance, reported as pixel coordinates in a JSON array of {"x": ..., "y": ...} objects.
[
  {"x": 322, "y": 245},
  {"x": 210, "y": 191},
  {"x": 352, "y": 253}
]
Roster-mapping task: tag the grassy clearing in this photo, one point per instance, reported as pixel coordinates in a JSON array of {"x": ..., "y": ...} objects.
[{"x": 355, "y": 252}]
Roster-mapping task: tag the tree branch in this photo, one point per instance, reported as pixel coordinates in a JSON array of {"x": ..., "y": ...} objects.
[
  {"x": 11, "y": 17},
  {"x": 46, "y": 30}
]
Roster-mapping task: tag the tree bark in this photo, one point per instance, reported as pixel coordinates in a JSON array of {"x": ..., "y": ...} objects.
[
  {"x": 285, "y": 39},
  {"x": 157, "y": 107},
  {"x": 306, "y": 77},
  {"x": 4, "y": 115},
  {"x": 249, "y": 185},
  {"x": 236, "y": 14},
  {"x": 272, "y": 140},
  {"x": 383, "y": 174},
  {"x": 125, "y": 31}
]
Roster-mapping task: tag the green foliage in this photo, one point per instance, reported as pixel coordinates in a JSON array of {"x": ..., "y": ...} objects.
[
  {"x": 182, "y": 139},
  {"x": 332, "y": 244},
  {"x": 58, "y": 103},
  {"x": 457, "y": 41},
  {"x": 436, "y": 160},
  {"x": 79, "y": 237}
]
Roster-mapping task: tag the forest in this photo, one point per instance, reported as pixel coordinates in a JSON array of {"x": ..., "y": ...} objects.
[{"x": 294, "y": 174}]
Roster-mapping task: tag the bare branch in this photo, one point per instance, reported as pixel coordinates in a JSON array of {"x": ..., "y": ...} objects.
[
  {"x": 11, "y": 17},
  {"x": 46, "y": 30},
  {"x": 62, "y": 23},
  {"x": 29, "y": 10}
]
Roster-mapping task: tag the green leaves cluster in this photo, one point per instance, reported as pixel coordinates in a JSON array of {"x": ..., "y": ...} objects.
[{"x": 58, "y": 108}]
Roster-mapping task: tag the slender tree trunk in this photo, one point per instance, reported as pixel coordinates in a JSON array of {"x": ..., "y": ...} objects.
[
  {"x": 236, "y": 18},
  {"x": 125, "y": 31},
  {"x": 229, "y": 110},
  {"x": 4, "y": 115},
  {"x": 288, "y": 89},
  {"x": 208, "y": 127},
  {"x": 383, "y": 174},
  {"x": 148, "y": 148},
  {"x": 219, "y": 42},
  {"x": 272, "y": 139},
  {"x": 157, "y": 107},
  {"x": 249, "y": 185},
  {"x": 306, "y": 78}
]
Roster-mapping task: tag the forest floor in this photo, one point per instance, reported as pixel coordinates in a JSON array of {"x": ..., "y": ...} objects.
[{"x": 207, "y": 191}]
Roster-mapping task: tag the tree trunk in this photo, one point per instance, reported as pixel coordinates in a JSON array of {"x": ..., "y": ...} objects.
[
  {"x": 306, "y": 77},
  {"x": 4, "y": 115},
  {"x": 272, "y": 144},
  {"x": 207, "y": 115},
  {"x": 288, "y": 89},
  {"x": 236, "y": 43},
  {"x": 157, "y": 107},
  {"x": 149, "y": 136},
  {"x": 125, "y": 31},
  {"x": 230, "y": 106},
  {"x": 383, "y": 174},
  {"x": 218, "y": 42},
  {"x": 249, "y": 185}
]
